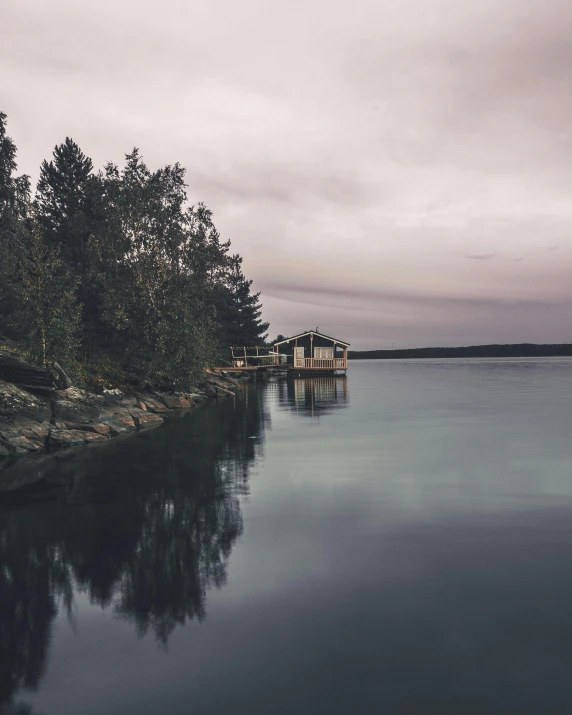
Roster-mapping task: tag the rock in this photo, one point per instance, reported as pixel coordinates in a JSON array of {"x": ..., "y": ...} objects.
[
  {"x": 24, "y": 420},
  {"x": 145, "y": 420},
  {"x": 36, "y": 432},
  {"x": 210, "y": 391},
  {"x": 95, "y": 437},
  {"x": 154, "y": 405},
  {"x": 72, "y": 437},
  {"x": 74, "y": 405},
  {"x": 141, "y": 405},
  {"x": 119, "y": 421},
  {"x": 175, "y": 402},
  {"x": 15, "y": 442},
  {"x": 112, "y": 393},
  {"x": 98, "y": 427},
  {"x": 16, "y": 403},
  {"x": 66, "y": 437},
  {"x": 197, "y": 397},
  {"x": 129, "y": 401},
  {"x": 230, "y": 379}
]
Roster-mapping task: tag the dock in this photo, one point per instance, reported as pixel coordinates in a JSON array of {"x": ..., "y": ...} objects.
[{"x": 308, "y": 353}]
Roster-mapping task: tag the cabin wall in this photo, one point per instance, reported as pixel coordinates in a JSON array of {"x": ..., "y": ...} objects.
[{"x": 308, "y": 344}]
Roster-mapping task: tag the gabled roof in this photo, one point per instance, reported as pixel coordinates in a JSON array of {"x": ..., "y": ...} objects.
[{"x": 313, "y": 332}]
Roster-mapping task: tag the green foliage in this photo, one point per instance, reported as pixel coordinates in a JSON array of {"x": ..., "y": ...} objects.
[
  {"x": 49, "y": 306},
  {"x": 65, "y": 196},
  {"x": 116, "y": 268},
  {"x": 239, "y": 310},
  {"x": 70, "y": 206},
  {"x": 166, "y": 260},
  {"x": 14, "y": 202}
]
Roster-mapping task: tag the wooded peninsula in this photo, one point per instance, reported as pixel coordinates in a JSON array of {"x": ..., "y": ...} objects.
[
  {"x": 472, "y": 351},
  {"x": 114, "y": 275}
]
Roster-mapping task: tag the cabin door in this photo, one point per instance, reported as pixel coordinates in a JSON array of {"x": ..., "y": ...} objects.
[{"x": 298, "y": 357}]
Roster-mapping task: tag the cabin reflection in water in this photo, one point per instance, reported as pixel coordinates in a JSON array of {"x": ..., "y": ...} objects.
[{"x": 314, "y": 396}]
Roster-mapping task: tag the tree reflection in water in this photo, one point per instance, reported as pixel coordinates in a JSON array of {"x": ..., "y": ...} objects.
[{"x": 144, "y": 527}]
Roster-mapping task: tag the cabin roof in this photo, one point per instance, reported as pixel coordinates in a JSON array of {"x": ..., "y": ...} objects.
[{"x": 313, "y": 332}]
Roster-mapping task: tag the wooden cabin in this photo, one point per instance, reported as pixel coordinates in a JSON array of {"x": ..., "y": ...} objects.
[{"x": 312, "y": 352}]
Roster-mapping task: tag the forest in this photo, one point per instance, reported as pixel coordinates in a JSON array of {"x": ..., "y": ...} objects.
[
  {"x": 472, "y": 351},
  {"x": 113, "y": 274}
]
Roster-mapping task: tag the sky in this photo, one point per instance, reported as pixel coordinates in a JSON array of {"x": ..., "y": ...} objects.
[{"x": 394, "y": 172}]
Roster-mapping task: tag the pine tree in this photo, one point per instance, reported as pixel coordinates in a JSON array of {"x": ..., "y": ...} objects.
[
  {"x": 71, "y": 212},
  {"x": 240, "y": 309},
  {"x": 14, "y": 206},
  {"x": 64, "y": 196}
]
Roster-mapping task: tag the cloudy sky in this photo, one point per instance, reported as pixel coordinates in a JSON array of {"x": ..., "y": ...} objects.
[{"x": 396, "y": 172}]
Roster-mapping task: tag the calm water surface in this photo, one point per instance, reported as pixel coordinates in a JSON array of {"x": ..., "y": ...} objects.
[{"x": 397, "y": 542}]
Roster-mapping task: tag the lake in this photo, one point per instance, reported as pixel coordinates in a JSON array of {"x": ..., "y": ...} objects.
[{"x": 399, "y": 541}]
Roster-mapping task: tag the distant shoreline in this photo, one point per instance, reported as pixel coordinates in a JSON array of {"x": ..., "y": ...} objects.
[{"x": 516, "y": 350}]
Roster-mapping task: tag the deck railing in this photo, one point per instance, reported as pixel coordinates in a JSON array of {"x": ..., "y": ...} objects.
[
  {"x": 319, "y": 363},
  {"x": 256, "y": 361}
]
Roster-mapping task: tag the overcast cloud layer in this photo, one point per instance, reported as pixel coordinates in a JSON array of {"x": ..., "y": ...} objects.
[{"x": 393, "y": 171}]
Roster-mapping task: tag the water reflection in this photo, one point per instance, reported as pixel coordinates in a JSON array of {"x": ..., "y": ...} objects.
[
  {"x": 143, "y": 527},
  {"x": 313, "y": 396}
]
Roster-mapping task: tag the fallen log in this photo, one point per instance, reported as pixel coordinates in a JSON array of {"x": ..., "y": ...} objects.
[{"x": 31, "y": 377}]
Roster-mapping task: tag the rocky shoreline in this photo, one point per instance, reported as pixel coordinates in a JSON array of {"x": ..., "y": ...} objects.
[{"x": 32, "y": 421}]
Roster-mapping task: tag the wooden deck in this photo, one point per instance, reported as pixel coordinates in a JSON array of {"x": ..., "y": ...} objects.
[
  {"x": 310, "y": 366},
  {"x": 273, "y": 362},
  {"x": 321, "y": 364}
]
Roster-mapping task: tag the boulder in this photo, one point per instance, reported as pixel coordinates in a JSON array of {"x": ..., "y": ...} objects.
[
  {"x": 24, "y": 420},
  {"x": 74, "y": 405},
  {"x": 175, "y": 402},
  {"x": 72, "y": 437},
  {"x": 36, "y": 432},
  {"x": 98, "y": 427},
  {"x": 95, "y": 437},
  {"x": 128, "y": 401},
  {"x": 119, "y": 421},
  {"x": 112, "y": 393},
  {"x": 14, "y": 442},
  {"x": 145, "y": 420},
  {"x": 229, "y": 378},
  {"x": 16, "y": 403},
  {"x": 225, "y": 391},
  {"x": 154, "y": 405},
  {"x": 66, "y": 437}
]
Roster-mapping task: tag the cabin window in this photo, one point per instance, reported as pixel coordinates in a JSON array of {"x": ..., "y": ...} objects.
[{"x": 324, "y": 353}]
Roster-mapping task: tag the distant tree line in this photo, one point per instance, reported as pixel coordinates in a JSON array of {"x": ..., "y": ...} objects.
[
  {"x": 519, "y": 350},
  {"x": 114, "y": 271}
]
